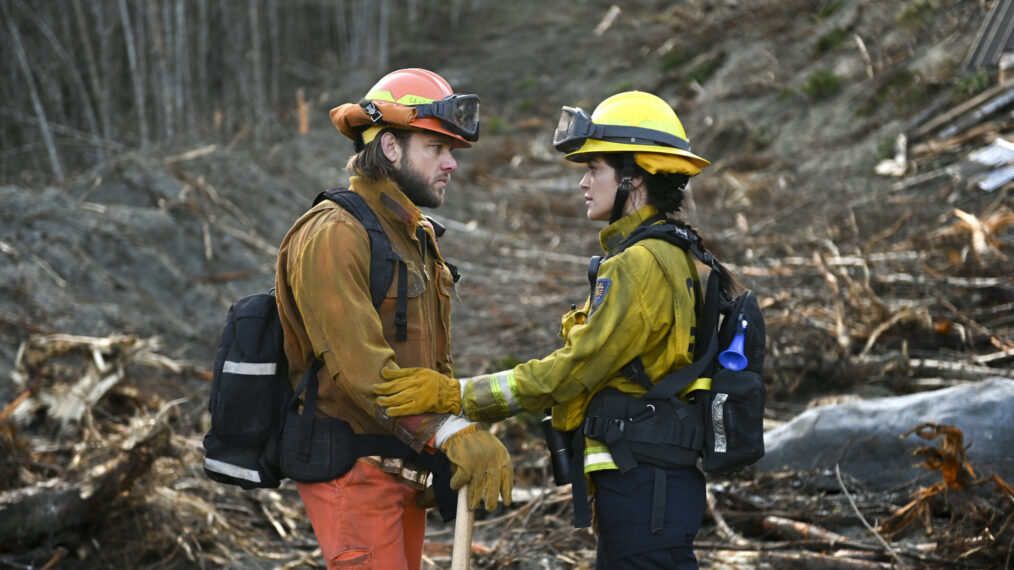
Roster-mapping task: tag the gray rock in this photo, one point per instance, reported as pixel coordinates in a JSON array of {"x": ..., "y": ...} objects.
[{"x": 863, "y": 438}]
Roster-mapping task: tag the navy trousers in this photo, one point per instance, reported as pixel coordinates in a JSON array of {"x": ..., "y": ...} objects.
[{"x": 623, "y": 511}]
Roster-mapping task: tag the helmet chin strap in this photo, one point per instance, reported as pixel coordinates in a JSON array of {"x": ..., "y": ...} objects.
[{"x": 623, "y": 190}]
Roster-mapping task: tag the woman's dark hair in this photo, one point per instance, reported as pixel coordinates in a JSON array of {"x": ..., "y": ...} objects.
[
  {"x": 370, "y": 162},
  {"x": 666, "y": 192}
]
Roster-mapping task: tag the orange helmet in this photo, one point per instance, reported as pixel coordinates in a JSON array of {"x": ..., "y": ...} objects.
[{"x": 413, "y": 98}]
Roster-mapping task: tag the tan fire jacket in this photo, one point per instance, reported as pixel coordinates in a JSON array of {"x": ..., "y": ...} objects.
[{"x": 323, "y": 292}]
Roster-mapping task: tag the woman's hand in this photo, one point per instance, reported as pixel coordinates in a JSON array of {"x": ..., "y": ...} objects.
[{"x": 414, "y": 391}]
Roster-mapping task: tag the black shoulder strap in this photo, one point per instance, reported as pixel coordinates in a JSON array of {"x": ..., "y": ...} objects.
[
  {"x": 667, "y": 231},
  {"x": 382, "y": 258},
  {"x": 671, "y": 384},
  {"x": 671, "y": 233}
]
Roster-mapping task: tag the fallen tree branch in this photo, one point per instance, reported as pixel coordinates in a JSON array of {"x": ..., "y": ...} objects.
[
  {"x": 721, "y": 526},
  {"x": 29, "y": 514},
  {"x": 862, "y": 519}
]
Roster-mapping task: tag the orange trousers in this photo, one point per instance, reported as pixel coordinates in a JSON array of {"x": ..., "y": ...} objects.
[{"x": 366, "y": 519}]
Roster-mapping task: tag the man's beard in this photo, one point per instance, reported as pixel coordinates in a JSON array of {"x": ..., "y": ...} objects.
[{"x": 415, "y": 187}]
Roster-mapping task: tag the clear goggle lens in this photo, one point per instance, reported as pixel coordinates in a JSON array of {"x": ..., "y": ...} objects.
[
  {"x": 459, "y": 114},
  {"x": 572, "y": 130}
]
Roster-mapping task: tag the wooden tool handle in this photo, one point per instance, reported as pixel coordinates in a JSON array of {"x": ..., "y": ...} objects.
[{"x": 461, "y": 555}]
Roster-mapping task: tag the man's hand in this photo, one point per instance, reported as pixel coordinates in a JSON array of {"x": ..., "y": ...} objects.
[
  {"x": 479, "y": 459},
  {"x": 414, "y": 391}
]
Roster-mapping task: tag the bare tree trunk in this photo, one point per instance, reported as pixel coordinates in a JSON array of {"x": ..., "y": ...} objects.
[
  {"x": 160, "y": 84},
  {"x": 413, "y": 11},
  {"x": 47, "y": 134},
  {"x": 105, "y": 61},
  {"x": 93, "y": 70},
  {"x": 276, "y": 52},
  {"x": 382, "y": 36},
  {"x": 202, "y": 57},
  {"x": 135, "y": 76},
  {"x": 169, "y": 83},
  {"x": 257, "y": 64},
  {"x": 141, "y": 41},
  {"x": 345, "y": 39},
  {"x": 86, "y": 100},
  {"x": 356, "y": 33},
  {"x": 455, "y": 13},
  {"x": 369, "y": 33},
  {"x": 184, "y": 89}
]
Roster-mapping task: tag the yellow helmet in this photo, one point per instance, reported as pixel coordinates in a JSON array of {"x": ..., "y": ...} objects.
[{"x": 633, "y": 121}]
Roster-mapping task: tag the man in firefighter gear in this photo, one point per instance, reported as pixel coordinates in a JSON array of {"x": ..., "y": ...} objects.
[
  {"x": 404, "y": 131},
  {"x": 641, "y": 311}
]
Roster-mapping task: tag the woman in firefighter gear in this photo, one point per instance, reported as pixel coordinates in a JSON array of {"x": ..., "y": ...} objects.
[
  {"x": 404, "y": 130},
  {"x": 641, "y": 311}
]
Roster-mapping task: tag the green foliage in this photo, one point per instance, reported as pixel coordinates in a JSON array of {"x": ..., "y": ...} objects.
[
  {"x": 830, "y": 40},
  {"x": 821, "y": 84},
  {"x": 494, "y": 126},
  {"x": 972, "y": 85},
  {"x": 703, "y": 71},
  {"x": 526, "y": 105},
  {"x": 826, "y": 10},
  {"x": 915, "y": 13},
  {"x": 677, "y": 58},
  {"x": 885, "y": 147},
  {"x": 905, "y": 90},
  {"x": 505, "y": 362},
  {"x": 622, "y": 86},
  {"x": 526, "y": 82},
  {"x": 759, "y": 139}
]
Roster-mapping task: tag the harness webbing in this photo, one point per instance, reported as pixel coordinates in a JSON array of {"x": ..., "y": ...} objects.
[{"x": 382, "y": 256}]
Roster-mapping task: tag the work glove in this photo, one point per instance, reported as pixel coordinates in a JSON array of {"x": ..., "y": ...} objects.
[
  {"x": 414, "y": 391},
  {"x": 479, "y": 459}
]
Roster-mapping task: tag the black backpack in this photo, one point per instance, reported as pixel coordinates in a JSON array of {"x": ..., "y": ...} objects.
[
  {"x": 258, "y": 436},
  {"x": 727, "y": 425}
]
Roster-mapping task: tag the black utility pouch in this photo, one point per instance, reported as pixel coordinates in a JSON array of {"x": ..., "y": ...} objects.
[
  {"x": 734, "y": 416},
  {"x": 323, "y": 454}
]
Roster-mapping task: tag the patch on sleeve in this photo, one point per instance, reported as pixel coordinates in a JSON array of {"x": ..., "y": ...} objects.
[{"x": 601, "y": 288}]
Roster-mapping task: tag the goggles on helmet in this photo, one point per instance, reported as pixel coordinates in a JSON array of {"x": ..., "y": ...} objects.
[
  {"x": 575, "y": 127},
  {"x": 457, "y": 113}
]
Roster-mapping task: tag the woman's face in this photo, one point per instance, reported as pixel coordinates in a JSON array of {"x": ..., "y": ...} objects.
[{"x": 599, "y": 186}]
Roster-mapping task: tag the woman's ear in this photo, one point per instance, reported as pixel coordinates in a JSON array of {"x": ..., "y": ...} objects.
[
  {"x": 390, "y": 147},
  {"x": 638, "y": 196}
]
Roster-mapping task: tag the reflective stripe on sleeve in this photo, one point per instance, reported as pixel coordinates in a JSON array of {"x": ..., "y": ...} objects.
[{"x": 498, "y": 389}]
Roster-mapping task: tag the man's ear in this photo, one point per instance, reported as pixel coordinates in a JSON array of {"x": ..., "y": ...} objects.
[{"x": 390, "y": 146}]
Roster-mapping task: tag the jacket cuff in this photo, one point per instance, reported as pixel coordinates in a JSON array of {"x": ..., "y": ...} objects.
[
  {"x": 491, "y": 397},
  {"x": 450, "y": 426}
]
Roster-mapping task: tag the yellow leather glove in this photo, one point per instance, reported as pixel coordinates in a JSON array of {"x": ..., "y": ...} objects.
[
  {"x": 414, "y": 391},
  {"x": 479, "y": 459}
]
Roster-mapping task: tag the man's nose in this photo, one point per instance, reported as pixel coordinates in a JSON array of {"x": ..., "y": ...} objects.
[{"x": 449, "y": 164}]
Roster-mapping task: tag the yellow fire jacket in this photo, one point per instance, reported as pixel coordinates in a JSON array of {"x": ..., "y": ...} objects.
[
  {"x": 642, "y": 305},
  {"x": 323, "y": 294}
]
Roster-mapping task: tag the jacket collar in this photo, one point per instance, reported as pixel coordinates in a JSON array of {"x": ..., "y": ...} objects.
[
  {"x": 616, "y": 232},
  {"x": 387, "y": 200}
]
